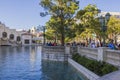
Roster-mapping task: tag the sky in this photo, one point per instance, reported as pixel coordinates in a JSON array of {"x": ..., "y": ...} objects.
[{"x": 24, "y": 14}]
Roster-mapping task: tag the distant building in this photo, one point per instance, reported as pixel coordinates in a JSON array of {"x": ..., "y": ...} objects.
[
  {"x": 13, "y": 37},
  {"x": 33, "y": 30},
  {"x": 9, "y": 36},
  {"x": 37, "y": 36},
  {"x": 116, "y": 14},
  {"x": 26, "y": 38}
]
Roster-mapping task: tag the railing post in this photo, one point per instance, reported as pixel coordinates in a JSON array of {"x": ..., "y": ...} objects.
[
  {"x": 101, "y": 53},
  {"x": 67, "y": 49},
  {"x": 78, "y": 49}
]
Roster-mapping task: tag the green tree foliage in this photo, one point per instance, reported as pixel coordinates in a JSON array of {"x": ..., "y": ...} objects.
[
  {"x": 49, "y": 34},
  {"x": 87, "y": 16},
  {"x": 113, "y": 27},
  {"x": 62, "y": 12},
  {"x": 90, "y": 24}
]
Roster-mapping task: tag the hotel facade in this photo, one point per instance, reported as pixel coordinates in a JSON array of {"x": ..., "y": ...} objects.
[{"x": 12, "y": 37}]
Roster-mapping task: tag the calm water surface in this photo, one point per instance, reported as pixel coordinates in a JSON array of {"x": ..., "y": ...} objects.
[{"x": 24, "y": 63}]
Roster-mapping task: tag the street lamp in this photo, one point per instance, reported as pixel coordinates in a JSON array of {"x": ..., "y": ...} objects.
[
  {"x": 104, "y": 21},
  {"x": 42, "y": 28},
  {"x": 44, "y": 34},
  {"x": 107, "y": 17}
]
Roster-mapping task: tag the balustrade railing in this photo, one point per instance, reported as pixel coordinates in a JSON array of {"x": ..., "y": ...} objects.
[
  {"x": 101, "y": 54},
  {"x": 56, "y": 53}
]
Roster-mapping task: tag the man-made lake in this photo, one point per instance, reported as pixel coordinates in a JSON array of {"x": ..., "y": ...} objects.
[{"x": 25, "y": 63}]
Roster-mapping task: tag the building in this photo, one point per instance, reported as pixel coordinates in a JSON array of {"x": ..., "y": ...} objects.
[
  {"x": 117, "y": 15},
  {"x": 12, "y": 37},
  {"x": 9, "y": 36},
  {"x": 37, "y": 36},
  {"x": 33, "y": 30},
  {"x": 26, "y": 38}
]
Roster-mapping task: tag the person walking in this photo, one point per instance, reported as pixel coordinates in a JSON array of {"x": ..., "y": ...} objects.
[{"x": 111, "y": 45}]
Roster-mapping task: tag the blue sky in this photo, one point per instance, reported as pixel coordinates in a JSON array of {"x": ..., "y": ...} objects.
[{"x": 23, "y": 14}]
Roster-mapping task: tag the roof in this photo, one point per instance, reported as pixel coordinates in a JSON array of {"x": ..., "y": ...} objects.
[{"x": 27, "y": 34}]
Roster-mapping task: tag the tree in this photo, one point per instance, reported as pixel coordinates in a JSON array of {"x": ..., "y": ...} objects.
[
  {"x": 50, "y": 34},
  {"x": 62, "y": 12},
  {"x": 90, "y": 24},
  {"x": 113, "y": 27},
  {"x": 87, "y": 16}
]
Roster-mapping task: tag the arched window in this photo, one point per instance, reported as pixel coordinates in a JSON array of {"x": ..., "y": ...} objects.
[
  {"x": 4, "y": 34},
  {"x": 18, "y": 38},
  {"x": 11, "y": 36}
]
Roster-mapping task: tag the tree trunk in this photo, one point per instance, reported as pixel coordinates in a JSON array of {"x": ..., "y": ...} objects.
[
  {"x": 100, "y": 41},
  {"x": 62, "y": 29},
  {"x": 115, "y": 39},
  {"x": 62, "y": 39}
]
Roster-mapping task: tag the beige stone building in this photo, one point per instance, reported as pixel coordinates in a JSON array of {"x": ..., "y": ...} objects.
[
  {"x": 12, "y": 37},
  {"x": 9, "y": 36}
]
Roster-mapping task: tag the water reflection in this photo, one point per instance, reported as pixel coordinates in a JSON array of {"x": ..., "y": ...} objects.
[
  {"x": 32, "y": 56},
  {"x": 53, "y": 70},
  {"x": 24, "y": 63}
]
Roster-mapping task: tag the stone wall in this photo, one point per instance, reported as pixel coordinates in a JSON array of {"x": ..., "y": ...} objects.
[
  {"x": 88, "y": 52},
  {"x": 73, "y": 49},
  {"x": 101, "y": 54},
  {"x": 112, "y": 57},
  {"x": 56, "y": 53},
  {"x": 53, "y": 49}
]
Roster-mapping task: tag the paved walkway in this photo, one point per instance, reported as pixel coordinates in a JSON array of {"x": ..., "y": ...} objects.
[{"x": 112, "y": 76}]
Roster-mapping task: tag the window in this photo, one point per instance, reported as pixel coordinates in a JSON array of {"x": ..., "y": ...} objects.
[
  {"x": 11, "y": 36},
  {"x": 27, "y": 41},
  {"x": 33, "y": 41},
  {"x": 4, "y": 34},
  {"x": 18, "y": 38}
]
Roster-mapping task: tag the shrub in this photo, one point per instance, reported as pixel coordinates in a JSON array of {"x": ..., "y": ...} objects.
[{"x": 98, "y": 67}]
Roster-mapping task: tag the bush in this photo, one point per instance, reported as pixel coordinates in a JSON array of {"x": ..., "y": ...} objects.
[{"x": 100, "y": 68}]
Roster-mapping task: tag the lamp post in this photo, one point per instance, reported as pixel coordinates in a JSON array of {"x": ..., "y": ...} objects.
[
  {"x": 44, "y": 34},
  {"x": 55, "y": 37},
  {"x": 42, "y": 28},
  {"x": 104, "y": 21}
]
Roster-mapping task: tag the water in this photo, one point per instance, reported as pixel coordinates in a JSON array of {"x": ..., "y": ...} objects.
[{"x": 24, "y": 63}]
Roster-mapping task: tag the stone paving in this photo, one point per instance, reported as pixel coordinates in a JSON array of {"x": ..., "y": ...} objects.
[{"x": 112, "y": 76}]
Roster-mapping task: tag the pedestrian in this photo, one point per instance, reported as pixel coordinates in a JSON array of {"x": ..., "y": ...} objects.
[
  {"x": 111, "y": 45},
  {"x": 119, "y": 47}
]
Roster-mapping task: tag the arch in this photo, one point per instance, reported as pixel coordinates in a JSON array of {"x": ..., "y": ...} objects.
[
  {"x": 11, "y": 36},
  {"x": 4, "y": 34},
  {"x": 18, "y": 38}
]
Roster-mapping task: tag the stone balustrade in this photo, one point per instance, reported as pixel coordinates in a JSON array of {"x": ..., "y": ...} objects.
[
  {"x": 53, "y": 49},
  {"x": 56, "y": 53},
  {"x": 73, "y": 49},
  {"x": 88, "y": 52},
  {"x": 112, "y": 57},
  {"x": 101, "y": 54}
]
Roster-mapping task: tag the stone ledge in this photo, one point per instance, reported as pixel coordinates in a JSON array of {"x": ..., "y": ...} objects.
[
  {"x": 111, "y": 76},
  {"x": 90, "y": 75}
]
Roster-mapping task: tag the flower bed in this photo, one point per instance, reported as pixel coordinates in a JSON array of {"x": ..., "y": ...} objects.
[{"x": 99, "y": 68}]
